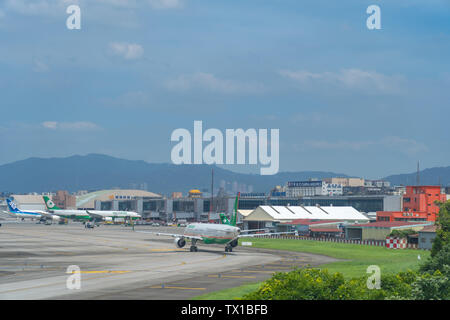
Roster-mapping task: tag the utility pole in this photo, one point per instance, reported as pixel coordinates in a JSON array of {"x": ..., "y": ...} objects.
[
  {"x": 418, "y": 173},
  {"x": 211, "y": 205}
]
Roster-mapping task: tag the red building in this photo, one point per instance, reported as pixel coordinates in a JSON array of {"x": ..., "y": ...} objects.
[{"x": 418, "y": 205}]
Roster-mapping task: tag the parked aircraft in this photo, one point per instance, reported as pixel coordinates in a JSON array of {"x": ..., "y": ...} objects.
[
  {"x": 211, "y": 233},
  {"x": 89, "y": 215}
]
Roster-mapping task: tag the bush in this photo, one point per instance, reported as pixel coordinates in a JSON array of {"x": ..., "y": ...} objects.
[
  {"x": 433, "y": 286},
  {"x": 316, "y": 284},
  {"x": 402, "y": 233},
  {"x": 438, "y": 261},
  {"x": 300, "y": 284}
]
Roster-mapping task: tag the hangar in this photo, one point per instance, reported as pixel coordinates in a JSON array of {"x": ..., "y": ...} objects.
[
  {"x": 381, "y": 229},
  {"x": 270, "y": 216},
  {"x": 115, "y": 199}
]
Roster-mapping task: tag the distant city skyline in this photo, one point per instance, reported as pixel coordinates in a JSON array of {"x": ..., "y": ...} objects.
[{"x": 346, "y": 99}]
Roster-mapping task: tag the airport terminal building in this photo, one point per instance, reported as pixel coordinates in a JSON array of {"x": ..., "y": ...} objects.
[
  {"x": 196, "y": 207},
  {"x": 199, "y": 208}
]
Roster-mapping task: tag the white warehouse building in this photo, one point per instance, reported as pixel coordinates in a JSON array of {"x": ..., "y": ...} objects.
[{"x": 269, "y": 216}]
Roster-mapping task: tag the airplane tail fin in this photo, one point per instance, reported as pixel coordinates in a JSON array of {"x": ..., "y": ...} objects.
[
  {"x": 49, "y": 204},
  {"x": 232, "y": 222},
  {"x": 236, "y": 205},
  {"x": 12, "y": 207},
  {"x": 224, "y": 219}
]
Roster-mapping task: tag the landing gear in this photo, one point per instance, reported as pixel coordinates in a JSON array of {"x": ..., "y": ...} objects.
[
  {"x": 228, "y": 248},
  {"x": 193, "y": 245}
]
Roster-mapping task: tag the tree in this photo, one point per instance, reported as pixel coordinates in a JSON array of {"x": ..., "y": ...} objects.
[
  {"x": 443, "y": 228},
  {"x": 440, "y": 251}
]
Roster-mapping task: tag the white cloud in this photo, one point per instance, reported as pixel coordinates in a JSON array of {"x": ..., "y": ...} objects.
[
  {"x": 128, "y": 51},
  {"x": 210, "y": 82},
  {"x": 133, "y": 99},
  {"x": 39, "y": 66},
  {"x": 165, "y": 4},
  {"x": 39, "y": 7},
  {"x": 354, "y": 79},
  {"x": 78, "y": 126},
  {"x": 407, "y": 146},
  {"x": 56, "y": 7}
]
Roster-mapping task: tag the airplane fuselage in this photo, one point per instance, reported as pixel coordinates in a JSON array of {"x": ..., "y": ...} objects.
[
  {"x": 212, "y": 233},
  {"x": 85, "y": 214}
]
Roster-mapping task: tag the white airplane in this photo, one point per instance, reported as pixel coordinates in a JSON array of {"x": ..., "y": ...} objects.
[
  {"x": 209, "y": 233},
  {"x": 35, "y": 214},
  {"x": 89, "y": 215}
]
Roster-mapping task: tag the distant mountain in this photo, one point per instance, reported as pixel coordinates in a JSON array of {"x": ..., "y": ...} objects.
[
  {"x": 96, "y": 171},
  {"x": 431, "y": 176}
]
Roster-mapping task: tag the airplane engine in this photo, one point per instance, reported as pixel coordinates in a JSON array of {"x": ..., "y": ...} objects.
[
  {"x": 234, "y": 243},
  {"x": 180, "y": 242},
  {"x": 108, "y": 219},
  {"x": 56, "y": 218}
]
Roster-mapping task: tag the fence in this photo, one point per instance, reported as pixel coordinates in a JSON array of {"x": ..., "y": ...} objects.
[{"x": 377, "y": 243}]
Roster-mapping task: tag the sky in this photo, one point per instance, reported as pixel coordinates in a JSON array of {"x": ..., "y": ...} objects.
[{"x": 345, "y": 98}]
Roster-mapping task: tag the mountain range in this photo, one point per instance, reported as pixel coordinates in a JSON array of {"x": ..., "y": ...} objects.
[{"x": 96, "y": 171}]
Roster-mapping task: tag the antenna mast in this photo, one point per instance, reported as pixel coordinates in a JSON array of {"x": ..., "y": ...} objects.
[
  {"x": 418, "y": 173},
  {"x": 211, "y": 206}
]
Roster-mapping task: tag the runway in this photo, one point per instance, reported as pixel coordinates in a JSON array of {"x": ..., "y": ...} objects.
[{"x": 117, "y": 263}]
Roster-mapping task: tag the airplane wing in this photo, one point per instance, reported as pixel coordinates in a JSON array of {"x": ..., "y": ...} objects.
[
  {"x": 95, "y": 215},
  {"x": 45, "y": 214},
  {"x": 263, "y": 234},
  {"x": 173, "y": 235},
  {"x": 250, "y": 230}
]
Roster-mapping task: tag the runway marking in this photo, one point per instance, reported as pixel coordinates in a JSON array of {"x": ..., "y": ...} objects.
[
  {"x": 172, "y": 287},
  {"x": 226, "y": 276},
  {"x": 100, "y": 271},
  {"x": 52, "y": 284},
  {"x": 258, "y": 271},
  {"x": 110, "y": 274}
]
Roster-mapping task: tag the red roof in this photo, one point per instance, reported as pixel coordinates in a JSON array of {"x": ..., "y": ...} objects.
[
  {"x": 387, "y": 224},
  {"x": 325, "y": 230},
  {"x": 429, "y": 229}
]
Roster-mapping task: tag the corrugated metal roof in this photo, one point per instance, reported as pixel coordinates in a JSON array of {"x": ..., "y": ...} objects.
[
  {"x": 245, "y": 212},
  {"x": 309, "y": 222},
  {"x": 390, "y": 224},
  {"x": 313, "y": 213}
]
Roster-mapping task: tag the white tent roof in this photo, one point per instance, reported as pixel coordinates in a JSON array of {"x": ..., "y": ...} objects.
[
  {"x": 282, "y": 213},
  {"x": 245, "y": 212}
]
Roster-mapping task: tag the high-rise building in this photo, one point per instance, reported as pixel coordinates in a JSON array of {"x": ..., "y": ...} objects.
[
  {"x": 346, "y": 182},
  {"x": 419, "y": 204},
  {"x": 65, "y": 200}
]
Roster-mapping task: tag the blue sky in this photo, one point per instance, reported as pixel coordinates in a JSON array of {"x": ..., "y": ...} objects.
[{"x": 346, "y": 99}]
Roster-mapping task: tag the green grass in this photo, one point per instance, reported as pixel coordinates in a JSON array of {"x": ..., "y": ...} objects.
[
  {"x": 357, "y": 259},
  {"x": 231, "y": 293}
]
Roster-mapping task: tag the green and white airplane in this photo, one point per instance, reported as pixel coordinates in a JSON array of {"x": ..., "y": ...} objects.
[
  {"x": 210, "y": 233},
  {"x": 89, "y": 215}
]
